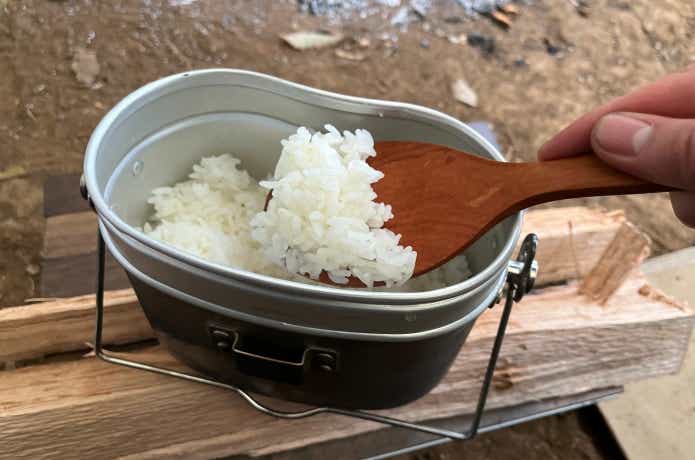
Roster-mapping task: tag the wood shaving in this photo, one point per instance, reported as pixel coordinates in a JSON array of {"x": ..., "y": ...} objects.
[
  {"x": 464, "y": 93},
  {"x": 304, "y": 40}
]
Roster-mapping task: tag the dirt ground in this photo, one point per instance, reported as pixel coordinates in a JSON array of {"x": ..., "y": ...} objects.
[{"x": 63, "y": 64}]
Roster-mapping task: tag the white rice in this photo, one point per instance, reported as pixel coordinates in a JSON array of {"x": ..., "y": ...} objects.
[
  {"x": 209, "y": 214},
  {"x": 322, "y": 216}
]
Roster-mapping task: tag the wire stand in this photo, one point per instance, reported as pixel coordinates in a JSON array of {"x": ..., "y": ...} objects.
[{"x": 520, "y": 278}]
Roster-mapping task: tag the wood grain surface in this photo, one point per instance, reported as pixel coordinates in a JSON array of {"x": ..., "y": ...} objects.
[
  {"x": 559, "y": 343},
  {"x": 623, "y": 255}
]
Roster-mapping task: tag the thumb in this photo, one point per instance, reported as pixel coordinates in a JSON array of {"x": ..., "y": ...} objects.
[{"x": 657, "y": 149}]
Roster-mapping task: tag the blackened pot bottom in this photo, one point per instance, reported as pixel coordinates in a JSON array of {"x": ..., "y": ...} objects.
[{"x": 337, "y": 372}]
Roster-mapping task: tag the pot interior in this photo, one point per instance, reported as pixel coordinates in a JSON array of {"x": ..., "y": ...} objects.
[{"x": 157, "y": 134}]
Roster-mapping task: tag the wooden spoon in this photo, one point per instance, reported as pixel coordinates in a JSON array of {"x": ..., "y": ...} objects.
[{"x": 443, "y": 199}]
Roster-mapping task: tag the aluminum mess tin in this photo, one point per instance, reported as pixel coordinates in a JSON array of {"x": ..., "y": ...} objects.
[{"x": 315, "y": 344}]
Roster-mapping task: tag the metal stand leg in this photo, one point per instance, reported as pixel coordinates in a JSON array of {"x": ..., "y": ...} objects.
[{"x": 520, "y": 281}]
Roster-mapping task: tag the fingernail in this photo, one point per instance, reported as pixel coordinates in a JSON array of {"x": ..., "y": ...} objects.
[{"x": 622, "y": 135}]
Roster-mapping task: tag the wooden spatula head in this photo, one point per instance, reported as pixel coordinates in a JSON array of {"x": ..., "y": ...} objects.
[{"x": 443, "y": 200}]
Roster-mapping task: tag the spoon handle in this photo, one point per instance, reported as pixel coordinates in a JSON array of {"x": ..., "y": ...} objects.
[{"x": 575, "y": 177}]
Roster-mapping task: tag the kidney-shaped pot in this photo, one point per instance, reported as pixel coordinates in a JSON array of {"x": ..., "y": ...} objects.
[{"x": 308, "y": 343}]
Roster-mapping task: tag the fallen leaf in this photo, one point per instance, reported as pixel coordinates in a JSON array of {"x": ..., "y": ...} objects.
[
  {"x": 311, "y": 40},
  {"x": 85, "y": 66},
  {"x": 501, "y": 19},
  {"x": 350, "y": 55},
  {"x": 464, "y": 93}
]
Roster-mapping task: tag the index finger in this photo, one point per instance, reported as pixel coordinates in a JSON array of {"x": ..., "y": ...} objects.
[{"x": 671, "y": 96}]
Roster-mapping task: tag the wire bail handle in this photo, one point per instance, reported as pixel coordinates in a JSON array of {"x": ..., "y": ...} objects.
[{"x": 521, "y": 274}]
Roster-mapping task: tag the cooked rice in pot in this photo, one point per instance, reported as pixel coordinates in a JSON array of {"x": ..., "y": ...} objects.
[{"x": 323, "y": 216}]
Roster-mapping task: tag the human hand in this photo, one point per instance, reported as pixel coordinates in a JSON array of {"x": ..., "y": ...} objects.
[{"x": 649, "y": 133}]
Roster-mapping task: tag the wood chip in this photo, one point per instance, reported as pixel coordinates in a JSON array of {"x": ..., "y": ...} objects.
[
  {"x": 623, "y": 255},
  {"x": 502, "y": 19},
  {"x": 311, "y": 40},
  {"x": 350, "y": 55},
  {"x": 510, "y": 8},
  {"x": 464, "y": 93}
]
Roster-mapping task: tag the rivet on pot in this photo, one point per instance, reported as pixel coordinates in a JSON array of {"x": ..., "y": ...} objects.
[
  {"x": 219, "y": 334},
  {"x": 137, "y": 168},
  {"x": 222, "y": 345},
  {"x": 220, "y": 339},
  {"x": 325, "y": 362}
]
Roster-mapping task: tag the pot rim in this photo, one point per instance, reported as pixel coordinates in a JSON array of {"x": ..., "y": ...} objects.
[
  {"x": 462, "y": 321},
  {"x": 144, "y": 94}
]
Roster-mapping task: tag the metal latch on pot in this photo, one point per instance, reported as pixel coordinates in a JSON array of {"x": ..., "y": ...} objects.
[
  {"x": 256, "y": 356},
  {"x": 522, "y": 272},
  {"x": 224, "y": 338}
]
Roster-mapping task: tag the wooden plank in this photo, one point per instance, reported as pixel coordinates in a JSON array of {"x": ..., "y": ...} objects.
[
  {"x": 37, "y": 330},
  {"x": 623, "y": 255},
  {"x": 70, "y": 235},
  {"x": 572, "y": 240},
  {"x": 76, "y": 275},
  {"x": 68, "y": 266},
  {"x": 559, "y": 343},
  {"x": 62, "y": 195},
  {"x": 654, "y": 419}
]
